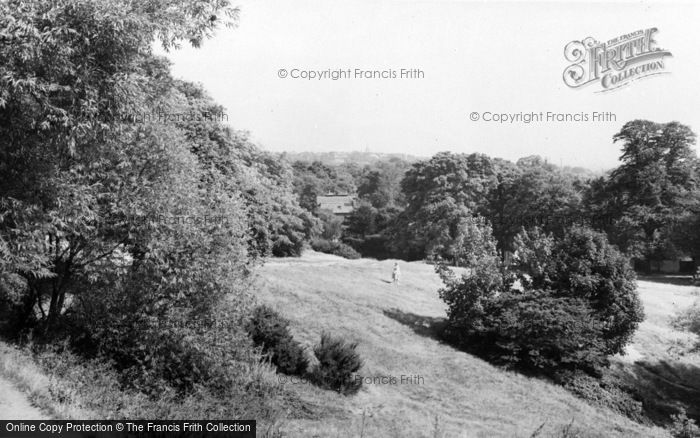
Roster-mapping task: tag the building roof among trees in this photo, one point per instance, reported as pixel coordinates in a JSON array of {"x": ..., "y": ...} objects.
[{"x": 338, "y": 204}]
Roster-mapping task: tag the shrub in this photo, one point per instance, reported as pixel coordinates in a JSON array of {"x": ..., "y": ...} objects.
[
  {"x": 541, "y": 332},
  {"x": 587, "y": 266},
  {"x": 336, "y": 248},
  {"x": 684, "y": 427},
  {"x": 338, "y": 361},
  {"x": 689, "y": 319},
  {"x": 607, "y": 392},
  {"x": 270, "y": 330},
  {"x": 346, "y": 251},
  {"x": 374, "y": 246},
  {"x": 332, "y": 225},
  {"x": 467, "y": 297},
  {"x": 578, "y": 304},
  {"x": 583, "y": 265},
  {"x": 67, "y": 386}
]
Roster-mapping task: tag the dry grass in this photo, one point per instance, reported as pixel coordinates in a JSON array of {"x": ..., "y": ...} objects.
[
  {"x": 662, "y": 361},
  {"x": 393, "y": 324},
  {"x": 19, "y": 367}
]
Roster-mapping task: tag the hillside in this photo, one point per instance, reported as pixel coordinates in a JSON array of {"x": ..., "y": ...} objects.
[{"x": 458, "y": 395}]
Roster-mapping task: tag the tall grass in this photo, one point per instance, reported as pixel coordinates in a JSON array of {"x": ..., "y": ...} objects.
[{"x": 67, "y": 386}]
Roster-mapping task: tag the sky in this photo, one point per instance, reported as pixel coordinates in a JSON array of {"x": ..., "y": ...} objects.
[{"x": 475, "y": 57}]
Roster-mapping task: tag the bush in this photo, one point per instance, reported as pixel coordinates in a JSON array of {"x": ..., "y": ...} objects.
[
  {"x": 373, "y": 246},
  {"x": 587, "y": 266},
  {"x": 689, "y": 319},
  {"x": 607, "y": 392},
  {"x": 270, "y": 330},
  {"x": 332, "y": 225},
  {"x": 336, "y": 248},
  {"x": 67, "y": 386},
  {"x": 541, "y": 332},
  {"x": 338, "y": 361},
  {"x": 684, "y": 427},
  {"x": 578, "y": 304}
]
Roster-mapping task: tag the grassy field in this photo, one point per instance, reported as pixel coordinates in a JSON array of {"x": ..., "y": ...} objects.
[
  {"x": 456, "y": 394},
  {"x": 444, "y": 393}
]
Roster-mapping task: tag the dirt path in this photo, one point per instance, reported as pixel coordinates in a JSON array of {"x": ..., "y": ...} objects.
[{"x": 15, "y": 406}]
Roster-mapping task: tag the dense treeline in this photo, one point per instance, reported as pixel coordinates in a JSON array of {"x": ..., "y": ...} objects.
[{"x": 649, "y": 206}]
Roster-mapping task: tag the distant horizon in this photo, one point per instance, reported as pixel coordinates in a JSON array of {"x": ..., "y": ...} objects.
[
  {"x": 427, "y": 157},
  {"x": 287, "y": 74}
]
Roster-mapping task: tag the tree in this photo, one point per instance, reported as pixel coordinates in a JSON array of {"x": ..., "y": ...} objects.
[
  {"x": 110, "y": 221},
  {"x": 532, "y": 193},
  {"x": 440, "y": 194},
  {"x": 332, "y": 225},
  {"x": 584, "y": 265},
  {"x": 577, "y": 303},
  {"x": 380, "y": 183},
  {"x": 467, "y": 296},
  {"x": 656, "y": 184}
]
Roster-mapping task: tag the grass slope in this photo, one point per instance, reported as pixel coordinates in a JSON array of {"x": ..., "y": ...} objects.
[
  {"x": 457, "y": 395},
  {"x": 662, "y": 361}
]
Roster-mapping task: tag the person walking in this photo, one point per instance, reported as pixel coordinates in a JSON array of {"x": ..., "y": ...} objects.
[{"x": 396, "y": 273}]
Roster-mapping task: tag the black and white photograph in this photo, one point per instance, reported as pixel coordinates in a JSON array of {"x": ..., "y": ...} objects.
[{"x": 349, "y": 219}]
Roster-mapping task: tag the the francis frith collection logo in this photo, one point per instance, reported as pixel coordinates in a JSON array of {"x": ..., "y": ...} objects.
[{"x": 616, "y": 62}]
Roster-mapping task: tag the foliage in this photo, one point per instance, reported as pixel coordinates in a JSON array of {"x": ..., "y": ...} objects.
[
  {"x": 532, "y": 193},
  {"x": 82, "y": 183},
  {"x": 540, "y": 331},
  {"x": 270, "y": 331},
  {"x": 336, "y": 248},
  {"x": 68, "y": 386},
  {"x": 332, "y": 225},
  {"x": 440, "y": 193},
  {"x": 603, "y": 391},
  {"x": 584, "y": 265},
  {"x": 338, "y": 363},
  {"x": 467, "y": 296},
  {"x": 315, "y": 179},
  {"x": 684, "y": 427},
  {"x": 130, "y": 218},
  {"x": 277, "y": 224},
  {"x": 655, "y": 187},
  {"x": 380, "y": 183},
  {"x": 578, "y": 302},
  {"x": 689, "y": 319},
  {"x": 369, "y": 230}
]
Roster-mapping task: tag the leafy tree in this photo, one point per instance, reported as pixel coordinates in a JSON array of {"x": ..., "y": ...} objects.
[
  {"x": 532, "y": 193},
  {"x": 121, "y": 231},
  {"x": 656, "y": 184},
  {"x": 380, "y": 183},
  {"x": 577, "y": 303},
  {"x": 69, "y": 71},
  {"x": 467, "y": 295},
  {"x": 332, "y": 225},
  {"x": 369, "y": 230},
  {"x": 440, "y": 194},
  {"x": 584, "y": 265},
  {"x": 278, "y": 226},
  {"x": 362, "y": 221}
]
